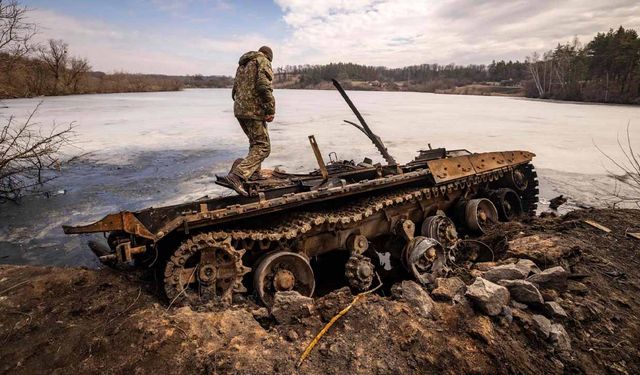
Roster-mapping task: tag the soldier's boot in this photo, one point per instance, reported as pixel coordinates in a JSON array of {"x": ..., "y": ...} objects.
[
  {"x": 235, "y": 182},
  {"x": 257, "y": 176}
]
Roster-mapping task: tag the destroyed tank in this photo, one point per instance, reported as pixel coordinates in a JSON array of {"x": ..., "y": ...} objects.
[{"x": 213, "y": 249}]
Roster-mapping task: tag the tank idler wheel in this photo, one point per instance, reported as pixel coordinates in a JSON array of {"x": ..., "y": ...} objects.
[
  {"x": 507, "y": 203},
  {"x": 204, "y": 270},
  {"x": 425, "y": 259},
  {"x": 441, "y": 229},
  {"x": 479, "y": 214},
  {"x": 283, "y": 271},
  {"x": 359, "y": 272}
]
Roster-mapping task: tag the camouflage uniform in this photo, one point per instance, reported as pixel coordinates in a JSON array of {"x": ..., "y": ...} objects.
[{"x": 253, "y": 101}]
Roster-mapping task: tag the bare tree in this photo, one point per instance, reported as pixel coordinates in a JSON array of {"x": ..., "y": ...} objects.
[
  {"x": 15, "y": 31},
  {"x": 56, "y": 56},
  {"x": 78, "y": 68},
  {"x": 533, "y": 63},
  {"x": 628, "y": 171},
  {"x": 28, "y": 155}
]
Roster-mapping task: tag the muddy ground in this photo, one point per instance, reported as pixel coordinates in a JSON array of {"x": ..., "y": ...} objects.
[{"x": 72, "y": 320}]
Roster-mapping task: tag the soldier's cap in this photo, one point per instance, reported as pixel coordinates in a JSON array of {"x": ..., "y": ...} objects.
[{"x": 267, "y": 51}]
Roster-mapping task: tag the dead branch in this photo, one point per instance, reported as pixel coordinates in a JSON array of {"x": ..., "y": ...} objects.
[
  {"x": 15, "y": 32},
  {"x": 29, "y": 155},
  {"x": 627, "y": 173}
]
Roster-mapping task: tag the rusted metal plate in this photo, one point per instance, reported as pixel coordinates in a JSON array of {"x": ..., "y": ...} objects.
[
  {"x": 487, "y": 161},
  {"x": 451, "y": 168},
  {"x": 517, "y": 157},
  {"x": 123, "y": 221}
]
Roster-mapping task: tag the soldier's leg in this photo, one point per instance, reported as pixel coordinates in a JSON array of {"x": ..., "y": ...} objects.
[{"x": 259, "y": 148}]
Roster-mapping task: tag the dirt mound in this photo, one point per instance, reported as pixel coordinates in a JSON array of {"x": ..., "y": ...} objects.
[{"x": 66, "y": 320}]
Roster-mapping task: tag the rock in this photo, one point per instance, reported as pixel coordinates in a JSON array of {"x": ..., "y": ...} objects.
[
  {"x": 415, "y": 296},
  {"x": 487, "y": 296},
  {"x": 577, "y": 288},
  {"x": 517, "y": 305},
  {"x": 533, "y": 268},
  {"x": 523, "y": 291},
  {"x": 548, "y": 214},
  {"x": 559, "y": 337},
  {"x": 557, "y": 202},
  {"x": 260, "y": 313},
  {"x": 542, "y": 325},
  {"x": 522, "y": 316},
  {"x": 554, "y": 310},
  {"x": 331, "y": 304},
  {"x": 555, "y": 278},
  {"x": 481, "y": 328},
  {"x": 506, "y": 272},
  {"x": 292, "y": 335},
  {"x": 291, "y": 306},
  {"x": 476, "y": 273},
  {"x": 542, "y": 248},
  {"x": 447, "y": 288},
  {"x": 506, "y": 316},
  {"x": 549, "y": 294},
  {"x": 484, "y": 266}
]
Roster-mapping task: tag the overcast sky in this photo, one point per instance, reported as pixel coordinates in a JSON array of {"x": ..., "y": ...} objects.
[{"x": 208, "y": 36}]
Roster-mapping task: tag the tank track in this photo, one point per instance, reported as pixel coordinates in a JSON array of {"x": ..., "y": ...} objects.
[
  {"x": 529, "y": 196},
  {"x": 286, "y": 233}
]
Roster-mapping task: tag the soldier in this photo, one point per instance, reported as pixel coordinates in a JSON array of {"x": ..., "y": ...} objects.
[{"x": 253, "y": 106}]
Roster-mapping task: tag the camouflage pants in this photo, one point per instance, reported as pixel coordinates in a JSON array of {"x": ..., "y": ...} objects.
[{"x": 259, "y": 147}]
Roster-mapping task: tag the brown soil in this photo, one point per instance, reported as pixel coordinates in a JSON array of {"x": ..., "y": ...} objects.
[{"x": 67, "y": 320}]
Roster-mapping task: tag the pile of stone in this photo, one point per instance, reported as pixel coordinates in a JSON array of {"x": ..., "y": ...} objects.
[
  {"x": 519, "y": 289},
  {"x": 512, "y": 289}
]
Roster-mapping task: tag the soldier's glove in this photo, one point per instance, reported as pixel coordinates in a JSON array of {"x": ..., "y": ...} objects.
[{"x": 269, "y": 118}]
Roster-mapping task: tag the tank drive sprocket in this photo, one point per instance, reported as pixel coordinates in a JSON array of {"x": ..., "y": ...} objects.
[
  {"x": 204, "y": 269},
  {"x": 359, "y": 271}
]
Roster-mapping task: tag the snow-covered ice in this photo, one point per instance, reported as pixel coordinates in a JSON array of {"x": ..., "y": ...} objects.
[{"x": 149, "y": 149}]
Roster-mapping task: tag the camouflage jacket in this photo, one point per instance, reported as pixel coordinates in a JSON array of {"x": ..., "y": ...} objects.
[{"x": 252, "y": 89}]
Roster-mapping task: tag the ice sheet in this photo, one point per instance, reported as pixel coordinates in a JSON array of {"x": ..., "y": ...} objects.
[{"x": 159, "y": 148}]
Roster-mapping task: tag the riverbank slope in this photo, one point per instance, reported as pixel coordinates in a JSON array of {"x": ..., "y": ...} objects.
[{"x": 63, "y": 320}]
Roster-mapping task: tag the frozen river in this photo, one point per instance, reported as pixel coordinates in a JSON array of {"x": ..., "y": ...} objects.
[{"x": 150, "y": 149}]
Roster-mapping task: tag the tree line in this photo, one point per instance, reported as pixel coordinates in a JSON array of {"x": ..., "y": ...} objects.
[
  {"x": 424, "y": 77},
  {"x": 606, "y": 69},
  {"x": 31, "y": 69}
]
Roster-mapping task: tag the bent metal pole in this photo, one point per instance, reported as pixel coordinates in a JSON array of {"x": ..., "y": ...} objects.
[{"x": 365, "y": 128}]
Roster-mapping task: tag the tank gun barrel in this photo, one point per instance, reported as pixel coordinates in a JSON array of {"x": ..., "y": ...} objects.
[{"x": 365, "y": 128}]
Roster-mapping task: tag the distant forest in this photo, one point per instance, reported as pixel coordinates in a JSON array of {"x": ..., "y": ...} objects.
[
  {"x": 53, "y": 71},
  {"x": 425, "y": 77},
  {"x": 606, "y": 69}
]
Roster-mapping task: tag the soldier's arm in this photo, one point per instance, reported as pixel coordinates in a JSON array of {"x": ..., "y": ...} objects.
[{"x": 265, "y": 87}]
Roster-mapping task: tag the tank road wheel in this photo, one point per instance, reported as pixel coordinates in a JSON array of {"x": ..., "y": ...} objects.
[
  {"x": 507, "y": 203},
  {"x": 425, "y": 259},
  {"x": 479, "y": 214},
  {"x": 283, "y": 271},
  {"x": 359, "y": 272},
  {"x": 204, "y": 269},
  {"x": 519, "y": 178},
  {"x": 441, "y": 229}
]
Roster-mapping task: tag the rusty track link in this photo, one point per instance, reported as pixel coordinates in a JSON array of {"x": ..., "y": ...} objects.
[{"x": 300, "y": 223}]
